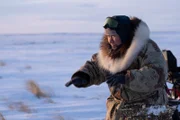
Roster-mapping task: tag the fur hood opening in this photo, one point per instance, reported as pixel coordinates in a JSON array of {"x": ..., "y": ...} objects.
[{"x": 140, "y": 36}]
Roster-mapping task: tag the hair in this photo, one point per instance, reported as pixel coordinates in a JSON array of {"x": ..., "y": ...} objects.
[{"x": 106, "y": 47}]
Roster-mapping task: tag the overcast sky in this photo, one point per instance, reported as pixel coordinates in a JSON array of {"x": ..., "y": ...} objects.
[{"x": 49, "y": 16}]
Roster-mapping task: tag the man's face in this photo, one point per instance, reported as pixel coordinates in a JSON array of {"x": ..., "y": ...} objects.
[{"x": 113, "y": 38}]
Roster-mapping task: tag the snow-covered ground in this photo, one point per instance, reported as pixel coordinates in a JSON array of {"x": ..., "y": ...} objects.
[{"x": 50, "y": 60}]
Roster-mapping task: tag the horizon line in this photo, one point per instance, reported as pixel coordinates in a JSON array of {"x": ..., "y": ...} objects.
[
  {"x": 50, "y": 33},
  {"x": 74, "y": 33}
]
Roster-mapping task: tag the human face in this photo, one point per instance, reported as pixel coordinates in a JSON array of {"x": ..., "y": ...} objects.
[{"x": 113, "y": 38}]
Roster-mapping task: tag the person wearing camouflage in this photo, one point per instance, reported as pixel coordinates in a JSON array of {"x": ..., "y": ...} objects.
[{"x": 134, "y": 69}]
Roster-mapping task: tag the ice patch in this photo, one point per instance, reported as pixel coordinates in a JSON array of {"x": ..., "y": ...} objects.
[
  {"x": 169, "y": 85},
  {"x": 178, "y": 108},
  {"x": 156, "y": 110}
]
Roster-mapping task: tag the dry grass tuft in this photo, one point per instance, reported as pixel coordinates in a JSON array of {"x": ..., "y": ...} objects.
[
  {"x": 2, "y": 63},
  {"x": 28, "y": 67},
  {"x": 49, "y": 100},
  {"x": 1, "y": 117},
  {"x": 35, "y": 89},
  {"x": 19, "y": 106},
  {"x": 39, "y": 93},
  {"x": 59, "y": 117}
]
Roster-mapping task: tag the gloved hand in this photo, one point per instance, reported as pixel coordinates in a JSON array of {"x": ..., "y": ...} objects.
[
  {"x": 78, "y": 82},
  {"x": 115, "y": 81},
  {"x": 80, "y": 79}
]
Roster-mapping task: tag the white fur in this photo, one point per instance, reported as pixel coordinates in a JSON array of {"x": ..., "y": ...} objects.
[{"x": 117, "y": 65}]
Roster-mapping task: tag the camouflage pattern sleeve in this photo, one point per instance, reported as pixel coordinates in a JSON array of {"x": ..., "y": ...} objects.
[
  {"x": 152, "y": 73},
  {"x": 91, "y": 68}
]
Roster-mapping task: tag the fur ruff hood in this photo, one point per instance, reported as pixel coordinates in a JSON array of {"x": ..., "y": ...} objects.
[{"x": 119, "y": 64}]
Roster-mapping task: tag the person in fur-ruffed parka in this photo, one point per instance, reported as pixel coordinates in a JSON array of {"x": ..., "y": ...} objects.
[{"x": 134, "y": 69}]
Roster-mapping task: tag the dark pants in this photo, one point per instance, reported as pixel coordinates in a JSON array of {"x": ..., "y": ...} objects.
[{"x": 175, "y": 116}]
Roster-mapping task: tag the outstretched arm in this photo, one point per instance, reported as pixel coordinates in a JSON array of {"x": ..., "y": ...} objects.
[{"x": 89, "y": 74}]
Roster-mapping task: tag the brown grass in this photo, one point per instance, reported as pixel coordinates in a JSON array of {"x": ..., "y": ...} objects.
[
  {"x": 1, "y": 117},
  {"x": 34, "y": 88},
  {"x": 2, "y": 63},
  {"x": 28, "y": 67},
  {"x": 19, "y": 106},
  {"x": 59, "y": 117}
]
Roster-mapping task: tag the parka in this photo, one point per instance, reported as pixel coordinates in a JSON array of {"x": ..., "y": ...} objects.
[{"x": 145, "y": 71}]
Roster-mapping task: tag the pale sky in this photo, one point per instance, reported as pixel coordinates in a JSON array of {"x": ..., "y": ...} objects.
[{"x": 77, "y": 16}]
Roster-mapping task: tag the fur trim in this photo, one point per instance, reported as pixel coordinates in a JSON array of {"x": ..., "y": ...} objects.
[{"x": 140, "y": 38}]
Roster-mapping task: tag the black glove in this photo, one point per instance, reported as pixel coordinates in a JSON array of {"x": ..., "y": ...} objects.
[
  {"x": 80, "y": 80},
  {"x": 115, "y": 81}
]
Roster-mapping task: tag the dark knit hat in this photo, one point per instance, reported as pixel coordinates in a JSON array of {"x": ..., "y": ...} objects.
[{"x": 121, "y": 24}]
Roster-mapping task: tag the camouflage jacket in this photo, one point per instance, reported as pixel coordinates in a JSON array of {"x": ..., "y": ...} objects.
[{"x": 146, "y": 73}]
